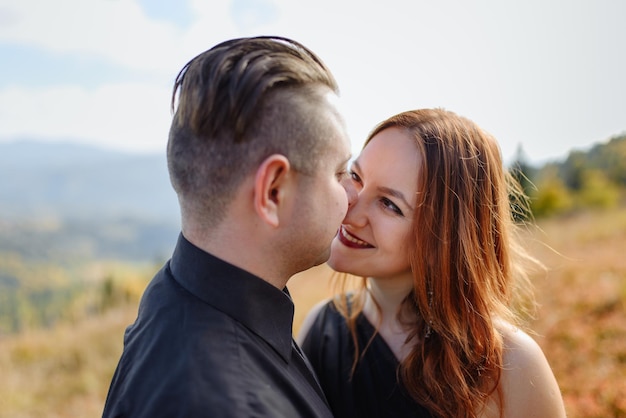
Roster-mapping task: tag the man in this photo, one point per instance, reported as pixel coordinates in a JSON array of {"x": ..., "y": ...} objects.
[{"x": 257, "y": 154}]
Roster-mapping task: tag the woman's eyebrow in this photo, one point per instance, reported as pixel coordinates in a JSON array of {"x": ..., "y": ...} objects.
[{"x": 386, "y": 190}]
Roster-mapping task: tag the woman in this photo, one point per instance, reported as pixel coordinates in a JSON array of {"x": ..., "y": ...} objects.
[{"x": 433, "y": 330}]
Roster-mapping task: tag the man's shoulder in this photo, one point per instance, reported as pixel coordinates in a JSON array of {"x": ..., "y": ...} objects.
[
  {"x": 225, "y": 374},
  {"x": 167, "y": 364}
]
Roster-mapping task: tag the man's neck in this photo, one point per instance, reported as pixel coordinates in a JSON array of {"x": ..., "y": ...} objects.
[{"x": 232, "y": 245}]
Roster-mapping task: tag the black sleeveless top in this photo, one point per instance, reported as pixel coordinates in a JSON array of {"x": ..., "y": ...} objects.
[{"x": 374, "y": 390}]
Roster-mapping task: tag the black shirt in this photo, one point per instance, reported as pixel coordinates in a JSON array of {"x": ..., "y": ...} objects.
[
  {"x": 374, "y": 390},
  {"x": 212, "y": 340}
]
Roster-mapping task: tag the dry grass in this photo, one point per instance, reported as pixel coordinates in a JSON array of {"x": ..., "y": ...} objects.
[
  {"x": 581, "y": 325},
  {"x": 64, "y": 372},
  {"x": 582, "y": 321}
]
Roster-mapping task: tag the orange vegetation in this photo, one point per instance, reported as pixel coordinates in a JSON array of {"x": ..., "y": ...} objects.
[{"x": 580, "y": 324}]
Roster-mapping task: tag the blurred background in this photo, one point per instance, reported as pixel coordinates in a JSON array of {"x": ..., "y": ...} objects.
[{"x": 87, "y": 214}]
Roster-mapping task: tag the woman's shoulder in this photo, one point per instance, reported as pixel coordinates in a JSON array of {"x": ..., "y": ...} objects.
[
  {"x": 519, "y": 347},
  {"x": 327, "y": 314},
  {"x": 521, "y": 351},
  {"x": 311, "y": 317},
  {"x": 527, "y": 381}
]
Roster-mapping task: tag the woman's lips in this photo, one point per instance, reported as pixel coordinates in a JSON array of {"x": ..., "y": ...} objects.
[{"x": 350, "y": 240}]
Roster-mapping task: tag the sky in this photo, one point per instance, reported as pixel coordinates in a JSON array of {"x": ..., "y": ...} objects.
[{"x": 546, "y": 76}]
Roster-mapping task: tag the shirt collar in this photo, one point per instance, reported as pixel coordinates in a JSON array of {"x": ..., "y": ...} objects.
[{"x": 261, "y": 307}]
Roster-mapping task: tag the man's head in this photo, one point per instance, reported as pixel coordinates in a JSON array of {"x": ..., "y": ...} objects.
[
  {"x": 239, "y": 102},
  {"x": 257, "y": 154}
]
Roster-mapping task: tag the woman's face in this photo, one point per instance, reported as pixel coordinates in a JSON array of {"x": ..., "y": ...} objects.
[{"x": 375, "y": 233}]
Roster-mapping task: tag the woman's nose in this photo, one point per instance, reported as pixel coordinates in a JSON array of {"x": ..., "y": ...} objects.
[
  {"x": 351, "y": 191},
  {"x": 357, "y": 210}
]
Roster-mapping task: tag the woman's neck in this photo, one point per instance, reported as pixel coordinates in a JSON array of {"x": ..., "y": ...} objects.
[
  {"x": 388, "y": 294},
  {"x": 381, "y": 307}
]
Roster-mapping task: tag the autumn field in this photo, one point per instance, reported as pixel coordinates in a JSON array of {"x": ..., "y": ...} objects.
[{"x": 580, "y": 324}]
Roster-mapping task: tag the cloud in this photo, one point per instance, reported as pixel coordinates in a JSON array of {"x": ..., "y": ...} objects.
[
  {"x": 548, "y": 75},
  {"x": 116, "y": 30},
  {"x": 122, "y": 114},
  {"x": 128, "y": 116},
  {"x": 251, "y": 13}
]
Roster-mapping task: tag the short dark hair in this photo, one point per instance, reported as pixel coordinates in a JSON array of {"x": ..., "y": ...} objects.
[{"x": 238, "y": 103}]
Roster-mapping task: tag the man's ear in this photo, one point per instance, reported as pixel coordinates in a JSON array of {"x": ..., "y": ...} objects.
[{"x": 269, "y": 187}]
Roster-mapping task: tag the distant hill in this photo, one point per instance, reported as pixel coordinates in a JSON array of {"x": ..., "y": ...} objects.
[
  {"x": 63, "y": 201},
  {"x": 60, "y": 200},
  {"x": 76, "y": 181}
]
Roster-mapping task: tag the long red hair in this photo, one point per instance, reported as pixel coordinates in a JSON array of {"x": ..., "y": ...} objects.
[{"x": 469, "y": 270}]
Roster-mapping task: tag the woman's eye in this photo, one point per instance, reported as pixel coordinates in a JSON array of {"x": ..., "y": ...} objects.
[
  {"x": 388, "y": 204},
  {"x": 355, "y": 176}
]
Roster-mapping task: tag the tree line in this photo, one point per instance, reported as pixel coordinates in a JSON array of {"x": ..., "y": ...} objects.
[
  {"x": 40, "y": 294},
  {"x": 593, "y": 179}
]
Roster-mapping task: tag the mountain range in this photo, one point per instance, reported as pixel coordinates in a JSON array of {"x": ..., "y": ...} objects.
[{"x": 65, "y": 200}]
